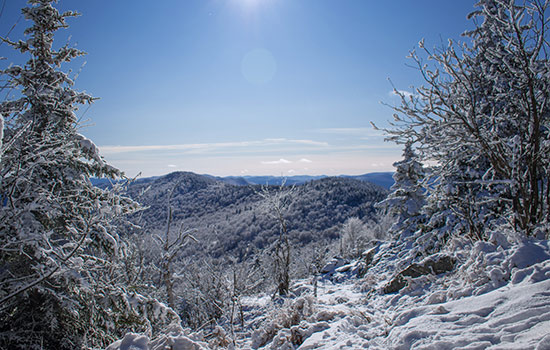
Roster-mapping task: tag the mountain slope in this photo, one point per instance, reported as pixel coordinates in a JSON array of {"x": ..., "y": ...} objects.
[{"x": 229, "y": 218}]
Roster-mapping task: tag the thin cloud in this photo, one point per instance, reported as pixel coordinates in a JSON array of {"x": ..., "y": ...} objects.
[
  {"x": 212, "y": 147},
  {"x": 311, "y": 143},
  {"x": 304, "y": 160},
  {"x": 276, "y": 140},
  {"x": 280, "y": 161},
  {"x": 182, "y": 147}
]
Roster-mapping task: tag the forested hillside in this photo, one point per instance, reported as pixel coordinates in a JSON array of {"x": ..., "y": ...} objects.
[{"x": 229, "y": 219}]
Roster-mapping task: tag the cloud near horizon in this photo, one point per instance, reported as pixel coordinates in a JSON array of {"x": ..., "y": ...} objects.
[
  {"x": 271, "y": 156},
  {"x": 280, "y": 161},
  {"x": 214, "y": 147}
]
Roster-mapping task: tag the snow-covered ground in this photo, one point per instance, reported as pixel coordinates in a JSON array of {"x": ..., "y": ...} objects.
[
  {"x": 515, "y": 316},
  {"x": 496, "y": 298}
]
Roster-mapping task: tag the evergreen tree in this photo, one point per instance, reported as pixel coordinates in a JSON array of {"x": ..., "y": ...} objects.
[
  {"x": 406, "y": 198},
  {"x": 59, "y": 247}
]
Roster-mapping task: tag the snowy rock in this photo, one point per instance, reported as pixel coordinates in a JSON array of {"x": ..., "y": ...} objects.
[
  {"x": 303, "y": 331},
  {"x": 355, "y": 269},
  {"x": 368, "y": 255},
  {"x": 367, "y": 260},
  {"x": 434, "y": 265},
  {"x": 332, "y": 265},
  {"x": 131, "y": 341}
]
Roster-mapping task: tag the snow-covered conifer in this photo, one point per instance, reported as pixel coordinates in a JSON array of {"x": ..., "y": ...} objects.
[
  {"x": 59, "y": 245},
  {"x": 406, "y": 198}
]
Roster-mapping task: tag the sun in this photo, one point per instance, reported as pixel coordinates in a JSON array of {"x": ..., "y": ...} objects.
[{"x": 249, "y": 4}]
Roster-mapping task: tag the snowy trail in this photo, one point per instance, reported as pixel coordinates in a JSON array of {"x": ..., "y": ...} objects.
[
  {"x": 516, "y": 317},
  {"x": 511, "y": 317},
  {"x": 433, "y": 312}
]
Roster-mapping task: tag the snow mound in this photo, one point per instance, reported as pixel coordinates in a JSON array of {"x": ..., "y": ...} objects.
[
  {"x": 511, "y": 317},
  {"x": 496, "y": 298},
  {"x": 174, "y": 339}
]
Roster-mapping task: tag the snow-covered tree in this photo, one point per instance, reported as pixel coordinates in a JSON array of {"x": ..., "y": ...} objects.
[
  {"x": 483, "y": 118},
  {"x": 60, "y": 285},
  {"x": 276, "y": 203},
  {"x": 407, "y": 196},
  {"x": 171, "y": 244},
  {"x": 353, "y": 238}
]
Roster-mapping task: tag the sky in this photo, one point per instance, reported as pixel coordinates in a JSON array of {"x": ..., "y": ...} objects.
[{"x": 245, "y": 87}]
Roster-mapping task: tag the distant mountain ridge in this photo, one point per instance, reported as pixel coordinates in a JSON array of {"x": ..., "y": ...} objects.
[{"x": 382, "y": 179}]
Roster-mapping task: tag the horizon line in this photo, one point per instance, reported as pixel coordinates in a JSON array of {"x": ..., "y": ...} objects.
[{"x": 264, "y": 175}]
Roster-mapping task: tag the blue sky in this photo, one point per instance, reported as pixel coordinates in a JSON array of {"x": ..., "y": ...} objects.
[{"x": 246, "y": 87}]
